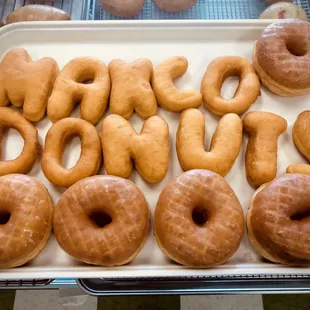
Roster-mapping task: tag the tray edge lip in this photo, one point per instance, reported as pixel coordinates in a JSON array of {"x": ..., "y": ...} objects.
[{"x": 108, "y": 24}]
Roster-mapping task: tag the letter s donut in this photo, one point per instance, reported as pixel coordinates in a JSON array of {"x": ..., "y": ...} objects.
[{"x": 55, "y": 141}]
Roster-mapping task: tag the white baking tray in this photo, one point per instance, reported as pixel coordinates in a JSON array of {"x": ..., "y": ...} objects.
[{"x": 200, "y": 42}]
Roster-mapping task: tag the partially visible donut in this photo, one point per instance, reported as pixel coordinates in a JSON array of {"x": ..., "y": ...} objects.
[
  {"x": 282, "y": 57},
  {"x": 26, "y": 212},
  {"x": 198, "y": 220},
  {"x": 284, "y": 10},
  {"x": 278, "y": 220},
  {"x": 36, "y": 12},
  {"x": 102, "y": 220}
]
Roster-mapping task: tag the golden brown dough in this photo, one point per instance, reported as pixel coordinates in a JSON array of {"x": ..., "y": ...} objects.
[
  {"x": 198, "y": 220},
  {"x": 263, "y": 128},
  {"x": 282, "y": 57},
  {"x": 246, "y": 94},
  {"x": 25, "y": 83},
  {"x": 168, "y": 96},
  {"x": 70, "y": 88},
  {"x": 10, "y": 118},
  {"x": 102, "y": 220},
  {"x": 26, "y": 214},
  {"x": 122, "y": 147},
  {"x": 301, "y": 133},
  {"x": 36, "y": 12},
  {"x": 225, "y": 144},
  {"x": 57, "y": 137},
  {"x": 123, "y": 8},
  {"x": 278, "y": 220},
  {"x": 298, "y": 168},
  {"x": 175, "y": 5},
  {"x": 131, "y": 88},
  {"x": 301, "y": 137}
]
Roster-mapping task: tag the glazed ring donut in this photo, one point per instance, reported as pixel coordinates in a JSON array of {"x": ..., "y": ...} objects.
[
  {"x": 198, "y": 220},
  {"x": 220, "y": 69},
  {"x": 57, "y": 137},
  {"x": 70, "y": 87},
  {"x": 278, "y": 220},
  {"x": 282, "y": 57},
  {"x": 102, "y": 220},
  {"x": 10, "y": 118},
  {"x": 26, "y": 213}
]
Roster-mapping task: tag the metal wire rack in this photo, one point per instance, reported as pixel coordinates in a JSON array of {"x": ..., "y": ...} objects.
[
  {"x": 77, "y": 9},
  {"x": 204, "y": 9}
]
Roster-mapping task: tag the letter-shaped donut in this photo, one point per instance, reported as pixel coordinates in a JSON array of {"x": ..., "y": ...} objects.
[
  {"x": 131, "y": 88},
  {"x": 25, "y": 83},
  {"x": 246, "y": 94},
  {"x": 70, "y": 88},
  {"x": 57, "y": 137},
  {"x": 264, "y": 128},
  {"x": 225, "y": 143},
  {"x": 301, "y": 136},
  {"x": 149, "y": 151},
  {"x": 168, "y": 96},
  {"x": 10, "y": 118}
]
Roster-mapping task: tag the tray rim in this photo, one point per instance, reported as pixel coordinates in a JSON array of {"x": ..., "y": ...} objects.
[{"x": 92, "y": 272}]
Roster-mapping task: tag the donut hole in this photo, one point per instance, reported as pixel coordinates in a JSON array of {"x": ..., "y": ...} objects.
[
  {"x": 100, "y": 218},
  {"x": 4, "y": 217},
  {"x": 86, "y": 77},
  {"x": 296, "y": 48},
  {"x": 200, "y": 216},
  {"x": 230, "y": 84},
  {"x": 300, "y": 215},
  {"x": 72, "y": 151}
]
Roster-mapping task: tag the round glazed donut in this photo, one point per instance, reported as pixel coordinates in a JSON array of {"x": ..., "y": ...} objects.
[
  {"x": 198, "y": 220},
  {"x": 10, "y": 118},
  {"x": 278, "y": 220},
  {"x": 57, "y": 137},
  {"x": 26, "y": 212},
  {"x": 102, "y": 220},
  {"x": 282, "y": 57},
  {"x": 220, "y": 69}
]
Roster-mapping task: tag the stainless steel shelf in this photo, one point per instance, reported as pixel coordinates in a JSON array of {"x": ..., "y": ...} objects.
[
  {"x": 77, "y": 9},
  {"x": 204, "y": 9},
  {"x": 197, "y": 286}
]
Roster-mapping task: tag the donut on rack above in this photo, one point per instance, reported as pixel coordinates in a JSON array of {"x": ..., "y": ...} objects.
[
  {"x": 36, "y": 12},
  {"x": 282, "y": 57},
  {"x": 284, "y": 10}
]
